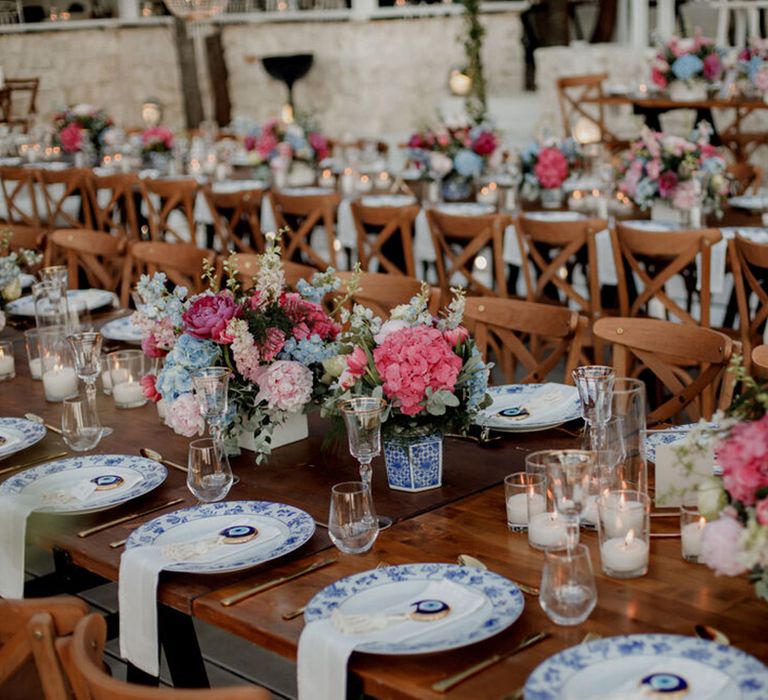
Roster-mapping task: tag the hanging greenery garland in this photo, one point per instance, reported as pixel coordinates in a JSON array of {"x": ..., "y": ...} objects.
[{"x": 474, "y": 32}]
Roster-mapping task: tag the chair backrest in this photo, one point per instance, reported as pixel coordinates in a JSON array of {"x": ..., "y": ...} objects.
[
  {"x": 760, "y": 360},
  {"x": 385, "y": 235},
  {"x": 571, "y": 93},
  {"x": 18, "y": 188},
  {"x": 181, "y": 262},
  {"x": 654, "y": 258},
  {"x": 381, "y": 292},
  {"x": 97, "y": 254},
  {"x": 82, "y": 658},
  {"x": 458, "y": 242},
  {"x": 19, "y": 111},
  {"x": 24, "y": 237},
  {"x": 536, "y": 336},
  {"x": 27, "y": 631},
  {"x": 749, "y": 264},
  {"x": 300, "y": 214},
  {"x": 113, "y": 204},
  {"x": 248, "y": 266},
  {"x": 236, "y": 213},
  {"x": 688, "y": 363},
  {"x": 167, "y": 200},
  {"x": 745, "y": 177},
  {"x": 57, "y": 187}
]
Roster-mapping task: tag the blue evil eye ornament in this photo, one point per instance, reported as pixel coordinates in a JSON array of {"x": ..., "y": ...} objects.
[
  {"x": 237, "y": 534},
  {"x": 664, "y": 685},
  {"x": 107, "y": 482},
  {"x": 514, "y": 412},
  {"x": 430, "y": 609}
]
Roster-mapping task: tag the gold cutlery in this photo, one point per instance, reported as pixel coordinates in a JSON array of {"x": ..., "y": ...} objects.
[
  {"x": 117, "y": 521},
  {"x": 452, "y": 681},
  {"x": 666, "y": 515},
  {"x": 248, "y": 592},
  {"x": 32, "y": 462},
  {"x": 37, "y": 419},
  {"x": 712, "y": 634},
  {"x": 665, "y": 534},
  {"x": 157, "y": 457},
  {"x": 118, "y": 543},
  {"x": 472, "y": 562}
]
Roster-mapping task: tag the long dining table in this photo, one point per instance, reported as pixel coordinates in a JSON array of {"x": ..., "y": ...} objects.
[{"x": 465, "y": 516}]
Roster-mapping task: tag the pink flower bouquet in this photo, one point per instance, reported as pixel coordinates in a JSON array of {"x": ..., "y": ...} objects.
[
  {"x": 694, "y": 58},
  {"x": 547, "y": 165},
  {"x": 157, "y": 139},
  {"x": 73, "y": 125},
  {"x": 278, "y": 143}
]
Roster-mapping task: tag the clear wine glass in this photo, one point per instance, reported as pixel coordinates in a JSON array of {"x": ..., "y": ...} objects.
[
  {"x": 568, "y": 591},
  {"x": 363, "y": 417},
  {"x": 352, "y": 523},
  {"x": 595, "y": 387},
  {"x": 86, "y": 348},
  {"x": 209, "y": 476}
]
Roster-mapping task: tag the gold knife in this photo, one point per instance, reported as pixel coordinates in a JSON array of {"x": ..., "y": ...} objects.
[
  {"x": 452, "y": 681},
  {"x": 248, "y": 592},
  {"x": 32, "y": 462},
  {"x": 105, "y": 526}
]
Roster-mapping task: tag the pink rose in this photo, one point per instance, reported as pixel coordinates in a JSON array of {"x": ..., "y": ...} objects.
[
  {"x": 667, "y": 184},
  {"x": 285, "y": 385},
  {"x": 744, "y": 458},
  {"x": 713, "y": 67},
  {"x": 319, "y": 145},
  {"x": 485, "y": 143},
  {"x": 150, "y": 347},
  {"x": 658, "y": 78},
  {"x": 357, "y": 361},
  {"x": 456, "y": 335},
  {"x": 148, "y": 387},
  {"x": 208, "y": 316},
  {"x": 184, "y": 417},
  {"x": 71, "y": 138},
  {"x": 761, "y": 511},
  {"x": 551, "y": 168},
  {"x": 721, "y": 546}
]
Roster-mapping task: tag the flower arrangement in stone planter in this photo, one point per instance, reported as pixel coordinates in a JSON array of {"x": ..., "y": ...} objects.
[
  {"x": 686, "y": 66},
  {"x": 752, "y": 68},
  {"x": 428, "y": 369},
  {"x": 12, "y": 263},
  {"x": 546, "y": 165},
  {"x": 273, "y": 340},
  {"x": 80, "y": 125}
]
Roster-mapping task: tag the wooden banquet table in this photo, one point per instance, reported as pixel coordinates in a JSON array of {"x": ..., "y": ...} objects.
[{"x": 467, "y": 515}]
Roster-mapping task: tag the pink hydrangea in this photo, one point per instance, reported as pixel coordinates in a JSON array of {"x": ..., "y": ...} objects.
[
  {"x": 184, "y": 417},
  {"x": 285, "y": 385},
  {"x": 208, "y": 316},
  {"x": 148, "y": 387},
  {"x": 71, "y": 138},
  {"x": 744, "y": 459},
  {"x": 721, "y": 546},
  {"x": 413, "y": 359},
  {"x": 551, "y": 168}
]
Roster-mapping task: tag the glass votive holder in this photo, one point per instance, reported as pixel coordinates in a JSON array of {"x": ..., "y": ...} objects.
[
  {"x": 106, "y": 377},
  {"x": 57, "y": 364},
  {"x": 7, "y": 361},
  {"x": 604, "y": 478},
  {"x": 51, "y": 304},
  {"x": 32, "y": 344},
  {"x": 624, "y": 527},
  {"x": 546, "y": 530},
  {"x": 526, "y": 496},
  {"x": 692, "y": 525},
  {"x": 126, "y": 368}
]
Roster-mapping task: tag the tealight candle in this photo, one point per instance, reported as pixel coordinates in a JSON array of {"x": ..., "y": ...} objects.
[
  {"x": 364, "y": 184},
  {"x": 488, "y": 194},
  {"x": 36, "y": 368},
  {"x": 7, "y": 362},
  {"x": 521, "y": 507},
  {"x": 692, "y": 526},
  {"x": 546, "y": 531},
  {"x": 383, "y": 180},
  {"x": 125, "y": 366},
  {"x": 326, "y": 178},
  {"x": 128, "y": 394},
  {"x": 625, "y": 557},
  {"x": 620, "y": 515},
  {"x": 624, "y": 528},
  {"x": 59, "y": 383}
]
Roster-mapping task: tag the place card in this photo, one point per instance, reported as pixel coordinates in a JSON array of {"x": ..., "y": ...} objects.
[{"x": 676, "y": 481}]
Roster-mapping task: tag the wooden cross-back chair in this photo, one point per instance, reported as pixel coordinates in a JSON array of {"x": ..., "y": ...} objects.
[
  {"x": 391, "y": 246},
  {"x": 760, "y": 361},
  {"x": 114, "y": 205},
  {"x": 458, "y": 241},
  {"x": 14, "y": 111},
  {"x": 248, "y": 267},
  {"x": 18, "y": 191},
  {"x": 746, "y": 178},
  {"x": 655, "y": 257},
  {"x": 235, "y": 214},
  {"x": 382, "y": 292},
  {"x": 537, "y": 337},
  {"x": 572, "y": 91},
  {"x": 57, "y": 187},
  {"x": 181, "y": 262},
  {"x": 749, "y": 264},
  {"x": 28, "y": 661},
  {"x": 689, "y": 364},
  {"x": 170, "y": 208},
  {"x": 300, "y": 214},
  {"x": 81, "y": 656},
  {"x": 24, "y": 237},
  {"x": 96, "y": 253}
]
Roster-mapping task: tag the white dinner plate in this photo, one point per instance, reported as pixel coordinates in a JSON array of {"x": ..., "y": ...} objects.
[
  {"x": 750, "y": 201},
  {"x": 547, "y": 406},
  {"x": 122, "y": 329},
  {"x": 388, "y": 200},
  {"x": 305, "y": 191},
  {"x": 465, "y": 208},
  {"x": 370, "y": 592},
  {"x": 119, "y": 478},
  {"x": 650, "y": 225},
  {"x": 600, "y": 669},
  {"x": 555, "y": 216},
  {"x": 93, "y": 298},
  {"x": 202, "y": 522},
  {"x": 17, "y": 434}
]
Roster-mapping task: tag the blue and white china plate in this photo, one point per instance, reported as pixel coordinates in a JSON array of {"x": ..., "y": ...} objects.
[
  {"x": 749, "y": 201},
  {"x": 122, "y": 329},
  {"x": 388, "y": 200},
  {"x": 667, "y": 436},
  {"x": 554, "y": 215},
  {"x": 465, "y": 208},
  {"x": 18, "y": 434},
  {"x": 520, "y": 408},
  {"x": 93, "y": 298},
  {"x": 210, "y": 519},
  {"x": 27, "y": 280},
  {"x": 650, "y": 225},
  {"x": 608, "y": 664},
  {"x": 375, "y": 590},
  {"x": 121, "y": 478}
]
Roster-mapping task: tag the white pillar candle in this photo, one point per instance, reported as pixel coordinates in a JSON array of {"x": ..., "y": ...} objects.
[
  {"x": 59, "y": 383},
  {"x": 690, "y": 535},
  {"x": 619, "y": 516},
  {"x": 546, "y": 530},
  {"x": 128, "y": 393},
  {"x": 36, "y": 368},
  {"x": 116, "y": 375},
  {"x": 624, "y": 554},
  {"x": 7, "y": 366},
  {"x": 520, "y": 509}
]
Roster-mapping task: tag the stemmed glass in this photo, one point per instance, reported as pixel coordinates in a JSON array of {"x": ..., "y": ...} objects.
[
  {"x": 86, "y": 348},
  {"x": 363, "y": 417},
  {"x": 595, "y": 386}
]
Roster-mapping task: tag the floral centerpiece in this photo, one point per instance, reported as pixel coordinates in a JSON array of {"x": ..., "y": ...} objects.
[
  {"x": 12, "y": 263},
  {"x": 546, "y": 165},
  {"x": 157, "y": 139},
  {"x": 81, "y": 126},
  {"x": 273, "y": 340},
  {"x": 455, "y": 154},
  {"x": 752, "y": 67},
  {"x": 682, "y": 62},
  {"x": 683, "y": 173},
  {"x": 428, "y": 369}
]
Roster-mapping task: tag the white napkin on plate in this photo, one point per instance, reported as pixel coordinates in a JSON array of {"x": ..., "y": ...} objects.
[
  {"x": 324, "y": 650},
  {"x": 140, "y": 569}
]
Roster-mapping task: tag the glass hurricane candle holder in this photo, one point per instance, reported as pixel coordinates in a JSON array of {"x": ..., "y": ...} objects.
[
  {"x": 58, "y": 366},
  {"x": 692, "y": 524},
  {"x": 628, "y": 408},
  {"x": 7, "y": 361},
  {"x": 126, "y": 368},
  {"x": 526, "y": 496},
  {"x": 32, "y": 345},
  {"x": 546, "y": 529},
  {"x": 51, "y": 305},
  {"x": 624, "y": 530}
]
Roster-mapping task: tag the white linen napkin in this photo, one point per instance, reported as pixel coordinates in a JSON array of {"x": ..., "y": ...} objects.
[
  {"x": 140, "y": 569},
  {"x": 324, "y": 650}
]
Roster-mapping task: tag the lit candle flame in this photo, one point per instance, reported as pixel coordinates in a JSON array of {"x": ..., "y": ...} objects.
[
  {"x": 629, "y": 538},
  {"x": 702, "y": 522}
]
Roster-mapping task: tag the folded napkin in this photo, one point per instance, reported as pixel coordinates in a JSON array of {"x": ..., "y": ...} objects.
[
  {"x": 324, "y": 649},
  {"x": 140, "y": 569}
]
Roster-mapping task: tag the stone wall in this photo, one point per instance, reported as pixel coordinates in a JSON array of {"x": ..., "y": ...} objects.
[{"x": 369, "y": 78}]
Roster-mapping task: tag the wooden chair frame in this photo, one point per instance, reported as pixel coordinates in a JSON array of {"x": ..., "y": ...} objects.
[
  {"x": 245, "y": 206},
  {"x": 744, "y": 255},
  {"x": 97, "y": 253},
  {"x": 118, "y": 216},
  {"x": 381, "y": 292},
  {"x": 13, "y": 183},
  {"x": 248, "y": 267},
  {"x": 571, "y": 93},
  {"x": 174, "y": 195},
  {"x": 395, "y": 222},
  {"x": 19, "y": 85},
  {"x": 75, "y": 182},
  {"x": 760, "y": 360}
]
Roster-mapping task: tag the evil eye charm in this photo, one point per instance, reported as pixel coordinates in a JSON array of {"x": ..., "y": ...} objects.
[
  {"x": 107, "y": 482},
  {"x": 518, "y": 412},
  {"x": 237, "y": 534},
  {"x": 429, "y": 610},
  {"x": 664, "y": 685}
]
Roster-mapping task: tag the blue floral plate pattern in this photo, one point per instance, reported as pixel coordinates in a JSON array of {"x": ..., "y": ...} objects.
[
  {"x": 19, "y": 434},
  {"x": 295, "y": 525},
  {"x": 558, "y": 677},
  {"x": 122, "y": 329},
  {"x": 545, "y": 414},
  {"x": 148, "y": 474},
  {"x": 668, "y": 436},
  {"x": 504, "y": 604},
  {"x": 93, "y": 298}
]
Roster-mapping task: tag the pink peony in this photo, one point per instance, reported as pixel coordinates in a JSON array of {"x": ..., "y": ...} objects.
[
  {"x": 456, "y": 335},
  {"x": 744, "y": 459},
  {"x": 184, "y": 416},
  {"x": 761, "y": 511},
  {"x": 319, "y": 145},
  {"x": 413, "y": 359},
  {"x": 285, "y": 385},
  {"x": 721, "y": 546},
  {"x": 713, "y": 67},
  {"x": 658, "y": 78},
  {"x": 308, "y": 318},
  {"x": 485, "y": 143},
  {"x": 71, "y": 138},
  {"x": 148, "y": 387},
  {"x": 208, "y": 316},
  {"x": 551, "y": 168},
  {"x": 667, "y": 184},
  {"x": 150, "y": 347}
]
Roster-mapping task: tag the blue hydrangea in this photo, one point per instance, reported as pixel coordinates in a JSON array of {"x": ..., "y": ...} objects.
[
  {"x": 754, "y": 66},
  {"x": 530, "y": 153},
  {"x": 646, "y": 190},
  {"x": 477, "y": 385},
  {"x": 687, "y": 66},
  {"x": 467, "y": 163},
  {"x": 173, "y": 381},
  {"x": 309, "y": 350}
]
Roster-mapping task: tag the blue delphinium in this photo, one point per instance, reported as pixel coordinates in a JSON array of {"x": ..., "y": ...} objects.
[
  {"x": 467, "y": 163},
  {"x": 322, "y": 283},
  {"x": 687, "y": 66},
  {"x": 477, "y": 384}
]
